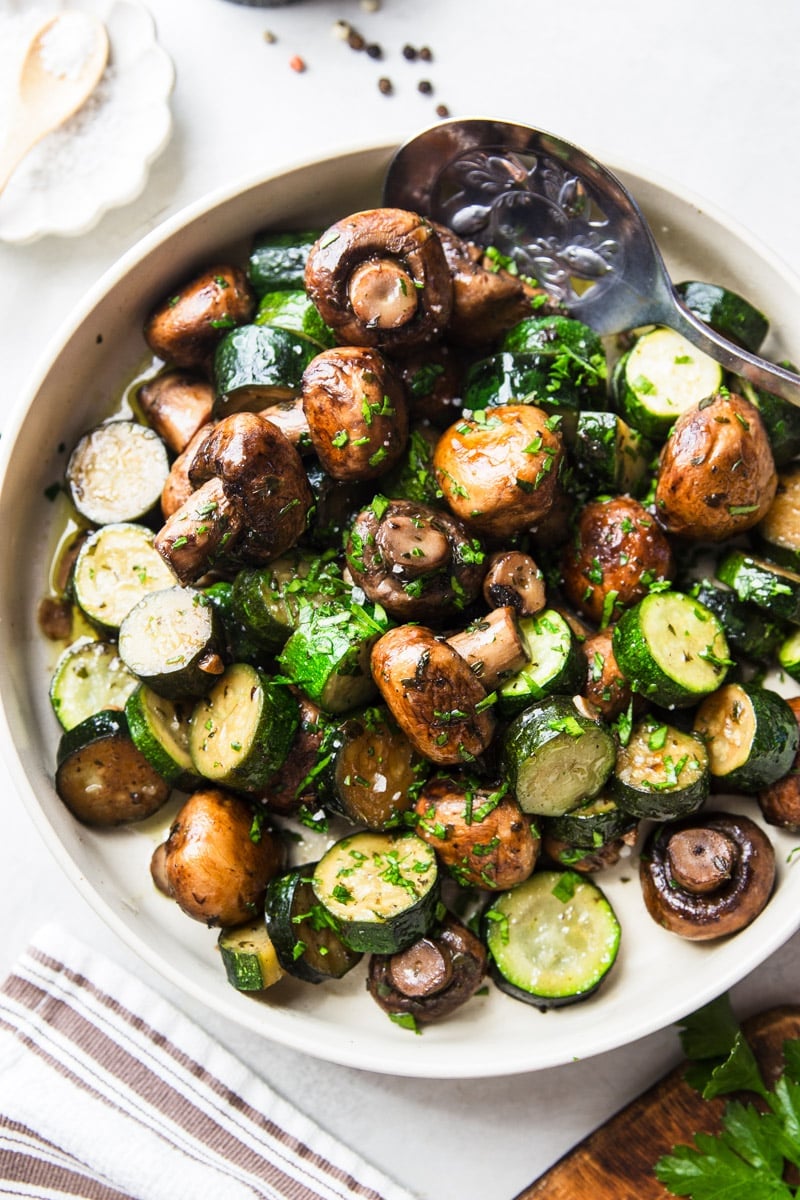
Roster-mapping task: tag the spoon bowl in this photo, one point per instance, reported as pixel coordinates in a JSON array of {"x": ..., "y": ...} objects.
[
  {"x": 61, "y": 68},
  {"x": 565, "y": 219}
]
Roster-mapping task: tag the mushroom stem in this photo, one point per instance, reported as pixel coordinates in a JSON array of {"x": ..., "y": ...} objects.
[
  {"x": 492, "y": 646},
  {"x": 701, "y": 860},
  {"x": 513, "y": 578},
  {"x": 382, "y": 294},
  {"x": 423, "y": 969},
  {"x": 413, "y": 547}
]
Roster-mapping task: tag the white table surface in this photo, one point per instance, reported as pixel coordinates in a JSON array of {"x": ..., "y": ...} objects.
[{"x": 705, "y": 93}]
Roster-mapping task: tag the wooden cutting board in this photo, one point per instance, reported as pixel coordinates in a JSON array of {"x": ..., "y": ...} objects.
[{"x": 616, "y": 1161}]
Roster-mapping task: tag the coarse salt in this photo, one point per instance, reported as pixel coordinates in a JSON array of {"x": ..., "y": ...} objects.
[{"x": 67, "y": 44}]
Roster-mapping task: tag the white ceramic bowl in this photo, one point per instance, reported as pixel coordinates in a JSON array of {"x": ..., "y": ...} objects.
[{"x": 658, "y": 977}]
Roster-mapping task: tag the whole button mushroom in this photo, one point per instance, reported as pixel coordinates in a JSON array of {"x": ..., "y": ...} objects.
[
  {"x": 380, "y": 278},
  {"x": 356, "y": 412},
  {"x": 433, "y": 695},
  {"x": 499, "y": 470},
  {"x": 186, "y": 327},
  {"x": 716, "y": 475},
  {"x": 708, "y": 875},
  {"x": 418, "y": 562},
  {"x": 617, "y": 553}
]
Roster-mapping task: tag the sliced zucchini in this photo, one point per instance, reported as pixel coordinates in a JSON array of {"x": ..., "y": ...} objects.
[
  {"x": 303, "y": 932},
  {"x": 267, "y": 600},
  {"x": 612, "y": 454},
  {"x": 661, "y": 773},
  {"x": 327, "y": 656},
  {"x": 671, "y": 648},
  {"x": 278, "y": 259},
  {"x": 774, "y": 589},
  {"x": 116, "y": 472},
  {"x": 552, "y": 939},
  {"x": 372, "y": 772},
  {"x": 258, "y": 365},
  {"x": 556, "y": 662},
  {"x": 241, "y": 645},
  {"x": 521, "y": 379},
  {"x": 173, "y": 641},
  {"x": 781, "y": 418},
  {"x": 592, "y": 824},
  {"x": 249, "y": 957},
  {"x": 576, "y": 351},
  {"x": 660, "y": 377},
  {"x": 381, "y": 889},
  {"x": 160, "y": 728},
  {"x": 778, "y": 532},
  {"x": 750, "y": 632},
  {"x": 294, "y": 311},
  {"x": 116, "y": 566},
  {"x": 89, "y": 677},
  {"x": 241, "y": 732},
  {"x": 101, "y": 776},
  {"x": 789, "y": 654},
  {"x": 554, "y": 757},
  {"x": 730, "y": 314},
  {"x": 751, "y": 735}
]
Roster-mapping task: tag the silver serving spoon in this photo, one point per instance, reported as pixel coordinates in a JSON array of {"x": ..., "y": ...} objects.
[{"x": 566, "y": 220}]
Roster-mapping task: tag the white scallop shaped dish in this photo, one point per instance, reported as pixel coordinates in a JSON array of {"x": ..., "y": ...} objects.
[{"x": 100, "y": 158}]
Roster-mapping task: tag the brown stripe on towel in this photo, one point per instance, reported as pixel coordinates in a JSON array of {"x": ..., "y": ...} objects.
[
  {"x": 182, "y": 1110},
  {"x": 27, "y": 1158}
]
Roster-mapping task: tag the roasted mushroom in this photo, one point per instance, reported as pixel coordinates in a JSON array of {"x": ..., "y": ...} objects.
[
  {"x": 178, "y": 487},
  {"x": 200, "y": 532},
  {"x": 436, "y": 699},
  {"x": 176, "y": 404},
  {"x": 219, "y": 858},
  {"x": 356, "y": 412},
  {"x": 716, "y": 475},
  {"x": 499, "y": 473},
  {"x": 186, "y": 327},
  {"x": 380, "y": 278},
  {"x": 606, "y": 688},
  {"x": 487, "y": 298},
  {"x": 617, "y": 554},
  {"x": 419, "y": 563},
  {"x": 432, "y": 977},
  {"x": 514, "y": 579},
  {"x": 492, "y": 647},
  {"x": 708, "y": 875},
  {"x": 479, "y": 833}
]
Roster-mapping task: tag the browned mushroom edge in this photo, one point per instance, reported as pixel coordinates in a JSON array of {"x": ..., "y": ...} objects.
[
  {"x": 433, "y": 977},
  {"x": 186, "y": 326},
  {"x": 380, "y": 278},
  {"x": 678, "y": 895},
  {"x": 421, "y": 564}
]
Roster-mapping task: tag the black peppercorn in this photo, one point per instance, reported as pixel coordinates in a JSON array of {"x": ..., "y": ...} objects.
[
  {"x": 385, "y": 86},
  {"x": 425, "y": 86},
  {"x": 426, "y": 54},
  {"x": 409, "y": 52},
  {"x": 374, "y": 50}
]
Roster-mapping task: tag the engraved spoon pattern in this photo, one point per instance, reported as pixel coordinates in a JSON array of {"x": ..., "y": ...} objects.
[{"x": 566, "y": 220}]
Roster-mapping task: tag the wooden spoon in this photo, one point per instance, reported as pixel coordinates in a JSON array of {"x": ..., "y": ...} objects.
[{"x": 49, "y": 91}]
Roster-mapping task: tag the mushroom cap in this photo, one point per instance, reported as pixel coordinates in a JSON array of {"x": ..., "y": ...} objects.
[
  {"x": 734, "y": 904},
  {"x": 185, "y": 328}
]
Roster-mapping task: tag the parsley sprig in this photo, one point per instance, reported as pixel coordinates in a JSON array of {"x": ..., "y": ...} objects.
[{"x": 747, "y": 1160}]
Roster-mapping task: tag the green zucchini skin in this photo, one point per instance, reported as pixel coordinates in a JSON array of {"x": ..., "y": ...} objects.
[
  {"x": 781, "y": 418},
  {"x": 267, "y": 600},
  {"x": 248, "y": 956},
  {"x": 294, "y": 311},
  {"x": 507, "y": 378},
  {"x": 575, "y": 351},
  {"x": 241, "y": 732},
  {"x": 160, "y": 729},
  {"x": 303, "y": 933},
  {"x": 89, "y": 677},
  {"x": 662, "y": 773},
  {"x": 556, "y": 663},
  {"x": 173, "y": 641},
  {"x": 752, "y": 736},
  {"x": 671, "y": 648},
  {"x": 593, "y": 824},
  {"x": 102, "y": 777},
  {"x": 611, "y": 453},
  {"x": 726, "y": 312},
  {"x": 327, "y": 655},
  {"x": 552, "y": 940},
  {"x": 758, "y": 581},
  {"x": 258, "y": 365},
  {"x": 750, "y": 631},
  {"x": 278, "y": 259},
  {"x": 241, "y": 645},
  {"x": 554, "y": 757},
  {"x": 381, "y": 890}
]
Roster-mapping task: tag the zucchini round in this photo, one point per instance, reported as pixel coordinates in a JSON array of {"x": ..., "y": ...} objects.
[
  {"x": 751, "y": 735},
  {"x": 381, "y": 889},
  {"x": 555, "y": 663},
  {"x": 116, "y": 472},
  {"x": 278, "y": 259},
  {"x": 659, "y": 378},
  {"x": 241, "y": 732},
  {"x": 294, "y": 311},
  {"x": 750, "y": 631},
  {"x": 726, "y": 312},
  {"x": 248, "y": 956},
  {"x": 661, "y": 773},
  {"x": 172, "y": 640},
  {"x": 116, "y": 566},
  {"x": 89, "y": 677},
  {"x": 671, "y": 648},
  {"x": 613, "y": 455},
  {"x": 328, "y": 655},
  {"x": 772, "y": 588},
  {"x": 592, "y": 824},
  {"x": 554, "y": 757},
  {"x": 258, "y": 365},
  {"x": 552, "y": 939},
  {"x": 304, "y": 933},
  {"x": 159, "y": 729}
]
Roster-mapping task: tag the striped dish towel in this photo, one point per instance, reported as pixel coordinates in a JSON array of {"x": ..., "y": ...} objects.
[{"x": 107, "y": 1092}]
